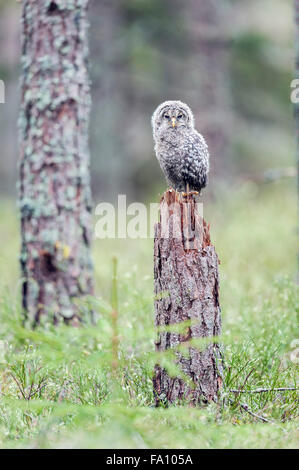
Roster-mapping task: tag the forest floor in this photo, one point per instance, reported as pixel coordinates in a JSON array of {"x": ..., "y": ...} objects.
[{"x": 57, "y": 386}]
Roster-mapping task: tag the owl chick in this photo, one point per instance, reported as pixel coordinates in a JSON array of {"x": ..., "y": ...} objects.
[{"x": 182, "y": 152}]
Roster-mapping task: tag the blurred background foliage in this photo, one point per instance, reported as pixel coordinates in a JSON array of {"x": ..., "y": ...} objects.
[{"x": 231, "y": 61}]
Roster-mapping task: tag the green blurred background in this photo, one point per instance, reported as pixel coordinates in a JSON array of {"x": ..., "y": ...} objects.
[{"x": 231, "y": 61}]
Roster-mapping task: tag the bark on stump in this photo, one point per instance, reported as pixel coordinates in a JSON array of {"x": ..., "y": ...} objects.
[
  {"x": 54, "y": 187},
  {"x": 186, "y": 290}
]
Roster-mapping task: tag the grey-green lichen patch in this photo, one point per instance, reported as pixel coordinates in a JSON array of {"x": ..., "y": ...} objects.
[
  {"x": 33, "y": 289},
  {"x": 49, "y": 288},
  {"x": 34, "y": 253},
  {"x": 67, "y": 313},
  {"x": 49, "y": 237}
]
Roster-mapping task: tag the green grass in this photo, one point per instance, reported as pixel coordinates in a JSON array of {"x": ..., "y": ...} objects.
[{"x": 57, "y": 386}]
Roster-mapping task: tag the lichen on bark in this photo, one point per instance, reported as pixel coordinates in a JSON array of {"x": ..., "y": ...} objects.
[
  {"x": 186, "y": 284},
  {"x": 54, "y": 181}
]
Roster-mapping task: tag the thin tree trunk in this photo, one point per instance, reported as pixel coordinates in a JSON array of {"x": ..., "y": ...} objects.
[
  {"x": 109, "y": 86},
  {"x": 186, "y": 290},
  {"x": 54, "y": 186},
  {"x": 209, "y": 35},
  {"x": 296, "y": 105}
]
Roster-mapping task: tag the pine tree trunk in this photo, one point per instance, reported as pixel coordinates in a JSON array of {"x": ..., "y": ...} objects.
[
  {"x": 54, "y": 186},
  {"x": 186, "y": 290},
  {"x": 209, "y": 32}
]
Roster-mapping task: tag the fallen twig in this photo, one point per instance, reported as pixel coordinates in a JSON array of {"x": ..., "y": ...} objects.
[
  {"x": 261, "y": 390},
  {"x": 246, "y": 408}
]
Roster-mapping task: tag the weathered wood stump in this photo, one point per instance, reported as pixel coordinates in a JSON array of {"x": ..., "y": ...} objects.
[{"x": 186, "y": 295}]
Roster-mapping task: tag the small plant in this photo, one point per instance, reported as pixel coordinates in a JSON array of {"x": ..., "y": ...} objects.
[{"x": 29, "y": 378}]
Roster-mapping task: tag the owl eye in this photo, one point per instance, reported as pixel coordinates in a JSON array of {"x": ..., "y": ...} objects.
[
  {"x": 180, "y": 116},
  {"x": 166, "y": 116}
]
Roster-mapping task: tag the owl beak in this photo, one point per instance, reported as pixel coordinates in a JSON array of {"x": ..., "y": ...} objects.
[{"x": 173, "y": 121}]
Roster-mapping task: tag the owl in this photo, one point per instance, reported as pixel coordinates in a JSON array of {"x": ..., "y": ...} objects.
[{"x": 182, "y": 152}]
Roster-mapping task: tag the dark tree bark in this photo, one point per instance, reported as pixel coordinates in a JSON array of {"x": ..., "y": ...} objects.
[
  {"x": 186, "y": 290},
  {"x": 54, "y": 186},
  {"x": 296, "y": 105},
  {"x": 109, "y": 86},
  {"x": 209, "y": 25}
]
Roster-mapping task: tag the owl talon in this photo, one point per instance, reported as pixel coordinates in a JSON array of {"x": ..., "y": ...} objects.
[{"x": 195, "y": 193}]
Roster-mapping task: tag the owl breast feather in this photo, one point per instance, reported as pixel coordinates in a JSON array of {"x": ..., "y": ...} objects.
[{"x": 185, "y": 161}]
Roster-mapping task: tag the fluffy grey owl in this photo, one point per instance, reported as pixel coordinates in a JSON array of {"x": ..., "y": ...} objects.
[{"x": 182, "y": 152}]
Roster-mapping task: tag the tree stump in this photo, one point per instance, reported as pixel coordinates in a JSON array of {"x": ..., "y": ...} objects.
[
  {"x": 186, "y": 284},
  {"x": 54, "y": 187}
]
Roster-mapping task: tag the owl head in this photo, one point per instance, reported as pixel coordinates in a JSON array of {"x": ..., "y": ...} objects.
[{"x": 172, "y": 115}]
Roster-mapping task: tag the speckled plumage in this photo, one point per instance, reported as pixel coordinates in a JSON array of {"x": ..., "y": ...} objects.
[{"x": 182, "y": 152}]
